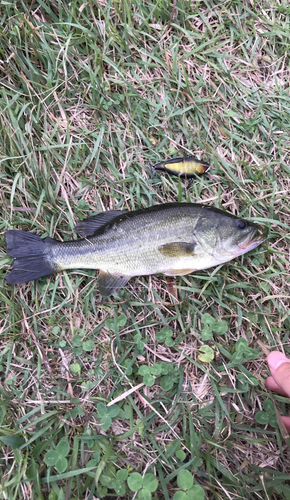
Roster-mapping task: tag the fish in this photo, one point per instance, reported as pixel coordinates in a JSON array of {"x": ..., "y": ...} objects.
[
  {"x": 183, "y": 167},
  {"x": 174, "y": 239}
]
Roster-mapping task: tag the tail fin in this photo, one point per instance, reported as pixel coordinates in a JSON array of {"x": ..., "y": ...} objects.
[{"x": 32, "y": 259}]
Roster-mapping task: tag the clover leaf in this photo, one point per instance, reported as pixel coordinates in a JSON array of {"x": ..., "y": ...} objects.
[
  {"x": 170, "y": 375},
  {"x": 190, "y": 490},
  {"x": 207, "y": 319},
  {"x": 169, "y": 378},
  {"x": 145, "y": 371},
  {"x": 106, "y": 414},
  {"x": 244, "y": 382},
  {"x": 212, "y": 326},
  {"x": 56, "y": 457},
  {"x": 88, "y": 345},
  {"x": 75, "y": 368},
  {"x": 139, "y": 342},
  {"x": 207, "y": 354},
  {"x": 112, "y": 323},
  {"x": 115, "y": 480},
  {"x": 143, "y": 485},
  {"x": 243, "y": 352},
  {"x": 135, "y": 481},
  {"x": 184, "y": 480},
  {"x": 165, "y": 335},
  {"x": 268, "y": 415},
  {"x": 175, "y": 448}
]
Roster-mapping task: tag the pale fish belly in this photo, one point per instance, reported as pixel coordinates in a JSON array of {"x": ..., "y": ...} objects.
[
  {"x": 129, "y": 258},
  {"x": 153, "y": 262}
]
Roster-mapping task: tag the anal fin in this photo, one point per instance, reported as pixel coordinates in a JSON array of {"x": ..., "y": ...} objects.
[{"x": 109, "y": 284}]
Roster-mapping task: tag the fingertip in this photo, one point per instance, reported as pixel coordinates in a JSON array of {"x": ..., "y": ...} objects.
[{"x": 275, "y": 359}]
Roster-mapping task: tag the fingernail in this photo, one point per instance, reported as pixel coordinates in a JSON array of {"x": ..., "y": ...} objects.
[{"x": 276, "y": 358}]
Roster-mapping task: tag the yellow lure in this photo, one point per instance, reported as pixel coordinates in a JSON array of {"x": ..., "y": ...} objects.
[{"x": 183, "y": 167}]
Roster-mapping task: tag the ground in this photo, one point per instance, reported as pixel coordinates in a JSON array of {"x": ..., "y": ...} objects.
[{"x": 159, "y": 392}]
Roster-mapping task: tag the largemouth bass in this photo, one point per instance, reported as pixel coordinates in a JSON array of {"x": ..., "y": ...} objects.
[
  {"x": 172, "y": 239},
  {"x": 183, "y": 167}
]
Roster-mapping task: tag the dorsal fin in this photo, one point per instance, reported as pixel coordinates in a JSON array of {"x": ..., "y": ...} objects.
[{"x": 88, "y": 226}]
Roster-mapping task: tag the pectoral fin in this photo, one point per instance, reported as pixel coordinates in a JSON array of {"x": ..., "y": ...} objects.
[
  {"x": 181, "y": 249},
  {"x": 90, "y": 225},
  {"x": 109, "y": 284}
]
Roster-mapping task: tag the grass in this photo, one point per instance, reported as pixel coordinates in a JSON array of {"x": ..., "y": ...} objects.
[{"x": 111, "y": 399}]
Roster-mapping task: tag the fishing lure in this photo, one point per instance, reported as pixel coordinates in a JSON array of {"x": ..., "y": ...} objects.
[{"x": 183, "y": 167}]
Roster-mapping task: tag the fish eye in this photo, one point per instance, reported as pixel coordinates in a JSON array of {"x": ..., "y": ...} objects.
[{"x": 241, "y": 224}]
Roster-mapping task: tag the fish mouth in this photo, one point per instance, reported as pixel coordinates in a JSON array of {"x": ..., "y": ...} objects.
[{"x": 253, "y": 239}]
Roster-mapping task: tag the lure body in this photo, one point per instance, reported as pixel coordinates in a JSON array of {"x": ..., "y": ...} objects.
[{"x": 183, "y": 167}]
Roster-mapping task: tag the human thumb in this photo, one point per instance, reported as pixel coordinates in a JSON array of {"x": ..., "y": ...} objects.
[{"x": 280, "y": 369}]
